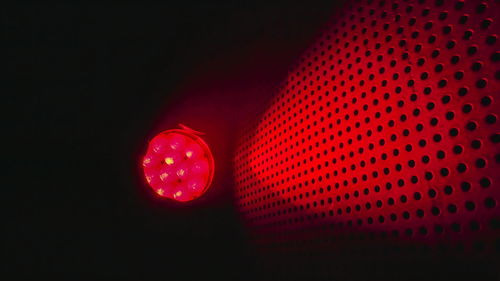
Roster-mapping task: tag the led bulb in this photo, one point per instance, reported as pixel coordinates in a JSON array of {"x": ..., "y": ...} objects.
[
  {"x": 182, "y": 171},
  {"x": 193, "y": 151},
  {"x": 195, "y": 184},
  {"x": 176, "y": 142},
  {"x": 159, "y": 144},
  {"x": 200, "y": 167},
  {"x": 172, "y": 158},
  {"x": 167, "y": 174},
  {"x": 178, "y": 165},
  {"x": 151, "y": 161}
]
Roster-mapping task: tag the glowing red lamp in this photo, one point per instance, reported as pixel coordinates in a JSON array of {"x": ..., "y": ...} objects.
[{"x": 178, "y": 164}]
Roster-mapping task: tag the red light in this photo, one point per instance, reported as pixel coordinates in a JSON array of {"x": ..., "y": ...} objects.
[
  {"x": 386, "y": 128},
  {"x": 178, "y": 164}
]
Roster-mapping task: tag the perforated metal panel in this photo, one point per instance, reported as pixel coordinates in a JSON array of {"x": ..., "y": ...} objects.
[{"x": 386, "y": 129}]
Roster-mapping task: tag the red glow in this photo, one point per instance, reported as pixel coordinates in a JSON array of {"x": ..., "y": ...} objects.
[
  {"x": 386, "y": 126},
  {"x": 178, "y": 164}
]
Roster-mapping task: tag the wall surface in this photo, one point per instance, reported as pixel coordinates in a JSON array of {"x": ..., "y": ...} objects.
[{"x": 379, "y": 154}]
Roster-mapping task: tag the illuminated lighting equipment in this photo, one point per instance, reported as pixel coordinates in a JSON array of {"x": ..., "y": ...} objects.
[{"x": 178, "y": 164}]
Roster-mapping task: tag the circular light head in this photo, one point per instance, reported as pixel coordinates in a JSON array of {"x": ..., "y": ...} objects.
[{"x": 178, "y": 164}]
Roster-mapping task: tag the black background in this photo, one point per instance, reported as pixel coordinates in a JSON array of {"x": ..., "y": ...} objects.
[{"x": 87, "y": 85}]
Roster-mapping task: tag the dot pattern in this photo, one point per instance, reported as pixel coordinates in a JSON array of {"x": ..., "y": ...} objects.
[{"x": 386, "y": 128}]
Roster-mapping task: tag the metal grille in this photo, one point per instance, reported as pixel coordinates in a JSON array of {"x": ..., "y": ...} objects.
[{"x": 385, "y": 130}]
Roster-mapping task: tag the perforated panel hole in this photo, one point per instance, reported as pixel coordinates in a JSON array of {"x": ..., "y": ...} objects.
[{"x": 386, "y": 128}]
